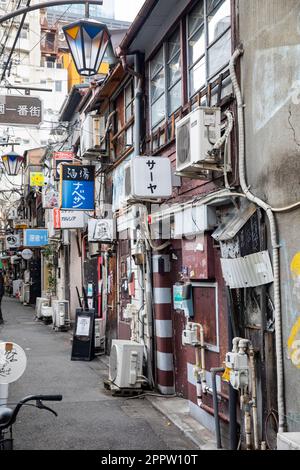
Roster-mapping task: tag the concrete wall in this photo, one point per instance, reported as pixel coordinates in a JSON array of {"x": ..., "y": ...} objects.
[{"x": 270, "y": 33}]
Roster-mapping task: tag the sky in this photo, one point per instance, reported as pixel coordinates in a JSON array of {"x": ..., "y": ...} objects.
[{"x": 127, "y": 9}]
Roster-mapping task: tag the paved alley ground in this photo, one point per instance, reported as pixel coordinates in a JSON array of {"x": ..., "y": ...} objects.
[{"x": 89, "y": 417}]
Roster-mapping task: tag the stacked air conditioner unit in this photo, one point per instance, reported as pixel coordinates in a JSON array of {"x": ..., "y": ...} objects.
[
  {"x": 93, "y": 142},
  {"x": 99, "y": 336},
  {"x": 196, "y": 135},
  {"x": 61, "y": 315},
  {"x": 40, "y": 301},
  {"x": 126, "y": 364},
  {"x": 46, "y": 314},
  {"x": 26, "y": 294}
]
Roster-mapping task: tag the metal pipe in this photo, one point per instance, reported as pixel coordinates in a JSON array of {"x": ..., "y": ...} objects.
[
  {"x": 138, "y": 104},
  {"x": 274, "y": 240},
  {"x": 254, "y": 397},
  {"x": 214, "y": 372},
  {"x": 40, "y": 6},
  {"x": 233, "y": 394}
]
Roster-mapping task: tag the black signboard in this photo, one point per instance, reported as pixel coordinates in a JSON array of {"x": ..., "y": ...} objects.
[
  {"x": 78, "y": 172},
  {"x": 20, "y": 110},
  {"x": 83, "y": 348}
]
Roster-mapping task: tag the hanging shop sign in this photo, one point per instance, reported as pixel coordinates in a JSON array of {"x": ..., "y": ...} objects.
[
  {"x": 60, "y": 158},
  {"x": 37, "y": 178},
  {"x": 50, "y": 197},
  {"x": 20, "y": 110},
  {"x": 12, "y": 241},
  {"x": 36, "y": 237},
  {"x": 151, "y": 177},
  {"x": 101, "y": 230},
  {"x": 77, "y": 187},
  {"x": 27, "y": 254},
  {"x": 68, "y": 219}
]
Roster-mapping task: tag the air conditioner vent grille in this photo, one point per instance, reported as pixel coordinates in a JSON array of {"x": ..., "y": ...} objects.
[{"x": 184, "y": 150}]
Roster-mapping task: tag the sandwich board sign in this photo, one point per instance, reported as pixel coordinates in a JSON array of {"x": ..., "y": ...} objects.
[{"x": 83, "y": 345}]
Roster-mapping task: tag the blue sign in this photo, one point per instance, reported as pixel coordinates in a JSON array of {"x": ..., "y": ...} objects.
[
  {"x": 36, "y": 237},
  {"x": 78, "y": 187}
]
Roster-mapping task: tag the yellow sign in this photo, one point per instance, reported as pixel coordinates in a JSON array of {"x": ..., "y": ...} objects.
[
  {"x": 37, "y": 178},
  {"x": 226, "y": 375}
]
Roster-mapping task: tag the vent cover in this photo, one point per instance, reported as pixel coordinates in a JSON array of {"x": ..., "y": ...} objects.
[{"x": 183, "y": 144}]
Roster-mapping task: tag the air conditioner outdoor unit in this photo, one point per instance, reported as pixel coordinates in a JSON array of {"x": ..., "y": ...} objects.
[
  {"x": 47, "y": 313},
  {"x": 125, "y": 364},
  {"x": 196, "y": 135},
  {"x": 92, "y": 133},
  {"x": 39, "y": 302},
  {"x": 61, "y": 317},
  {"x": 26, "y": 294},
  {"x": 147, "y": 177},
  {"x": 99, "y": 335}
]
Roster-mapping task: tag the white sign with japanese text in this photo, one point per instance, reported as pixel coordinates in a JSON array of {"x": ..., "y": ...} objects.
[{"x": 151, "y": 177}]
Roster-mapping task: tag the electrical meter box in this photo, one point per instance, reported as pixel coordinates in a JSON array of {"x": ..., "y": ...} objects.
[{"x": 180, "y": 300}]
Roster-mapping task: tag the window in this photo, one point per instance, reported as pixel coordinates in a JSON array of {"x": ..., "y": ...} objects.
[
  {"x": 24, "y": 33},
  {"x": 58, "y": 85},
  {"x": 208, "y": 51},
  {"x": 209, "y": 41},
  {"x": 157, "y": 88},
  {"x": 174, "y": 73},
  {"x": 129, "y": 110},
  {"x": 165, "y": 80}
]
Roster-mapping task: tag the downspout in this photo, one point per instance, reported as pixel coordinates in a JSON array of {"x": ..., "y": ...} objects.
[
  {"x": 232, "y": 392},
  {"x": 214, "y": 371},
  {"x": 138, "y": 103},
  {"x": 274, "y": 241}
]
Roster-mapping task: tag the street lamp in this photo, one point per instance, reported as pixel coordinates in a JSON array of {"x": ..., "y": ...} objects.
[
  {"x": 88, "y": 41},
  {"x": 12, "y": 162}
]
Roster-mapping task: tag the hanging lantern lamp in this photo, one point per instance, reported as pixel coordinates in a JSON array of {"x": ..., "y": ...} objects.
[
  {"x": 12, "y": 163},
  {"x": 88, "y": 41}
]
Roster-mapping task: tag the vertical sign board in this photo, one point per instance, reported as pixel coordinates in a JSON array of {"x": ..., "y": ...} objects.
[
  {"x": 77, "y": 187},
  {"x": 83, "y": 348}
]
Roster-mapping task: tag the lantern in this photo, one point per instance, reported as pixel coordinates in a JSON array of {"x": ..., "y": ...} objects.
[
  {"x": 87, "y": 41},
  {"x": 12, "y": 163}
]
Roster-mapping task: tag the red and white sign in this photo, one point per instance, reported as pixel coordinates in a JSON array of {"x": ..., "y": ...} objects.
[
  {"x": 56, "y": 218},
  {"x": 68, "y": 219},
  {"x": 66, "y": 155},
  {"x": 61, "y": 158}
]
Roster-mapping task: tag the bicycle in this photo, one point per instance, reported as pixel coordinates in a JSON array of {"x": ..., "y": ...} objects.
[{"x": 8, "y": 417}]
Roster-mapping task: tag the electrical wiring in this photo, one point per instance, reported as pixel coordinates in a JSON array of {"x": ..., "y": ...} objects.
[{"x": 44, "y": 36}]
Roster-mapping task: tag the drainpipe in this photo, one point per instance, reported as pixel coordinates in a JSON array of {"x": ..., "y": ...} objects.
[
  {"x": 254, "y": 397},
  {"x": 214, "y": 371},
  {"x": 138, "y": 104},
  {"x": 233, "y": 394},
  {"x": 138, "y": 93},
  {"x": 273, "y": 234}
]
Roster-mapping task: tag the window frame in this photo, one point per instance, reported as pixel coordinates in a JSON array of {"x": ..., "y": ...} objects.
[
  {"x": 129, "y": 138},
  {"x": 207, "y": 46},
  {"x": 182, "y": 25}
]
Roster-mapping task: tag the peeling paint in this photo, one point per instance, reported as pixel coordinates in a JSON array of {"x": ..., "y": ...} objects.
[{"x": 272, "y": 89}]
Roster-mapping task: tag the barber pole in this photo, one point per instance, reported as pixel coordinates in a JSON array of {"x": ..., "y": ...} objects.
[{"x": 162, "y": 295}]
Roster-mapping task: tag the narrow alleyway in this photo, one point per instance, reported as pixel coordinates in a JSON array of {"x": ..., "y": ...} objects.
[{"x": 88, "y": 417}]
